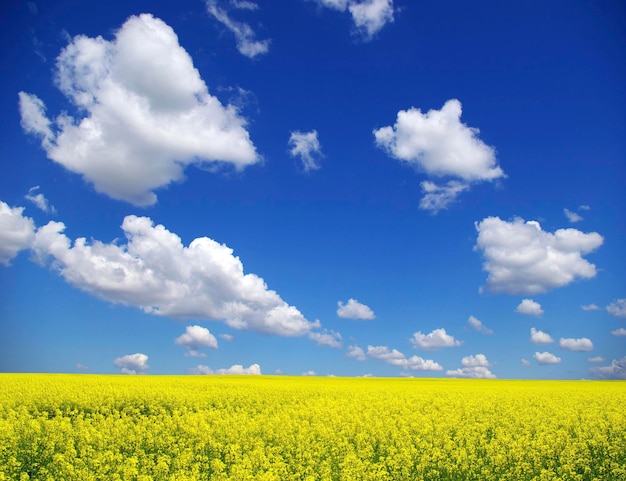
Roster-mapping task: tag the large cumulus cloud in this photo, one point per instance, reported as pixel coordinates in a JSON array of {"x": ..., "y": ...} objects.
[{"x": 143, "y": 113}]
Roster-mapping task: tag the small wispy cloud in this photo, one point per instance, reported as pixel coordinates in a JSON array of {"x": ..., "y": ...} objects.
[
  {"x": 478, "y": 326},
  {"x": 572, "y": 216},
  {"x": 590, "y": 307},
  {"x": 247, "y": 44},
  {"x": 307, "y": 146},
  {"x": 39, "y": 200}
]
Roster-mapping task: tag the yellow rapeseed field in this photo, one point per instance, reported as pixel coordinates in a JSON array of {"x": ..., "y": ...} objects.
[{"x": 278, "y": 428}]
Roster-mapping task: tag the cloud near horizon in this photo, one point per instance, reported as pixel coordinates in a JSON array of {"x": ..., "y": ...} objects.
[
  {"x": 132, "y": 363},
  {"x": 397, "y": 358},
  {"x": 254, "y": 369},
  {"x": 195, "y": 338},
  {"x": 476, "y": 367},
  {"x": 155, "y": 272},
  {"x": 144, "y": 114}
]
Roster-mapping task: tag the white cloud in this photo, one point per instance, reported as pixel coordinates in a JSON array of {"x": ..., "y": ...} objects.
[
  {"x": 356, "y": 352},
  {"x": 227, "y": 337},
  {"x": 473, "y": 367},
  {"x": 546, "y": 358},
  {"x": 244, "y": 5},
  {"x": 570, "y": 344},
  {"x": 132, "y": 363},
  {"x": 396, "y": 358},
  {"x": 617, "y": 308},
  {"x": 194, "y": 338},
  {"x": 340, "y": 5},
  {"x": 154, "y": 271},
  {"x": 521, "y": 258},
  {"x": 621, "y": 332},
  {"x": 439, "y": 197},
  {"x": 39, "y": 200},
  {"x": 145, "y": 114},
  {"x": 540, "y": 337},
  {"x": 309, "y": 373},
  {"x": 244, "y": 35},
  {"x": 33, "y": 118},
  {"x": 479, "y": 360},
  {"x": 326, "y": 338},
  {"x": 525, "y": 362},
  {"x": 477, "y": 325},
  {"x": 617, "y": 370},
  {"x": 369, "y": 16},
  {"x": 439, "y": 144},
  {"x": 16, "y": 232},
  {"x": 596, "y": 359},
  {"x": 434, "y": 340},
  {"x": 591, "y": 307},
  {"x": 353, "y": 309},
  {"x": 234, "y": 369},
  {"x": 529, "y": 308},
  {"x": 306, "y": 146},
  {"x": 572, "y": 216}
]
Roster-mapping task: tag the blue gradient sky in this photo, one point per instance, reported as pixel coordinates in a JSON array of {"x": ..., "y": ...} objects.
[{"x": 346, "y": 187}]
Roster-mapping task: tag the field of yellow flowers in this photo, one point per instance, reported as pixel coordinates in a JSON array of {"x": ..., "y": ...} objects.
[{"x": 96, "y": 427}]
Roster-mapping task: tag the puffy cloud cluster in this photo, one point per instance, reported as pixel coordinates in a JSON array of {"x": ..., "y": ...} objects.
[
  {"x": 621, "y": 332},
  {"x": 16, "y": 232},
  {"x": 440, "y": 145},
  {"x": 439, "y": 197},
  {"x": 396, "y": 358},
  {"x": 436, "y": 339},
  {"x": 521, "y": 258},
  {"x": 369, "y": 16},
  {"x": 132, "y": 363},
  {"x": 306, "y": 146},
  {"x": 546, "y": 358},
  {"x": 617, "y": 308},
  {"x": 473, "y": 367},
  {"x": 244, "y": 35},
  {"x": 326, "y": 338},
  {"x": 616, "y": 370},
  {"x": 582, "y": 345},
  {"x": 195, "y": 338},
  {"x": 478, "y": 325},
  {"x": 540, "y": 337},
  {"x": 154, "y": 271},
  {"x": 234, "y": 369},
  {"x": 353, "y": 309},
  {"x": 356, "y": 352},
  {"x": 529, "y": 308},
  {"x": 145, "y": 113}
]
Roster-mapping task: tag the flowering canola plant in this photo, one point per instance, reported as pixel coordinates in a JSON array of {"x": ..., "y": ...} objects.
[{"x": 279, "y": 428}]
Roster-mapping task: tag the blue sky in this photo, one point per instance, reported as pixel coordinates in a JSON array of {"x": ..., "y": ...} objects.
[{"x": 338, "y": 187}]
